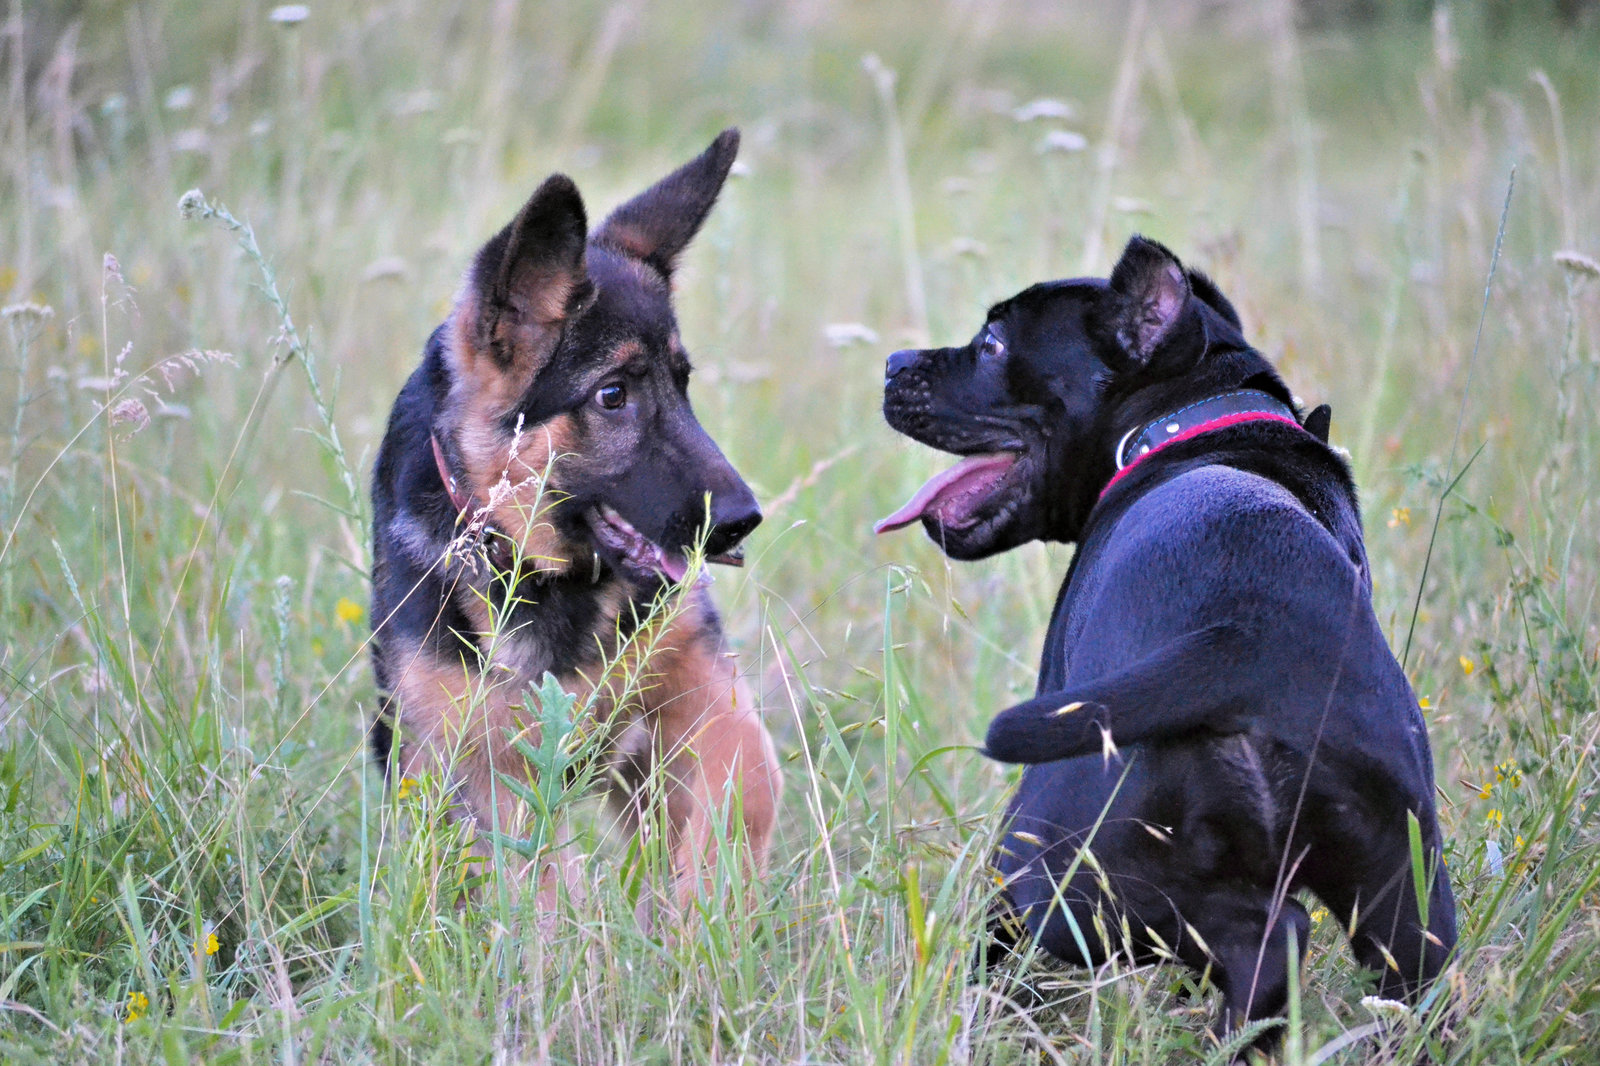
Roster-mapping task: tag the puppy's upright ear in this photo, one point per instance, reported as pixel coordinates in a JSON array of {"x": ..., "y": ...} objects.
[
  {"x": 524, "y": 284},
  {"x": 657, "y": 225},
  {"x": 1148, "y": 300}
]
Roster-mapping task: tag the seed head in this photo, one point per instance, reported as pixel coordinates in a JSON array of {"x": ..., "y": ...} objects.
[
  {"x": 1578, "y": 264},
  {"x": 191, "y": 204},
  {"x": 130, "y": 412},
  {"x": 27, "y": 314}
]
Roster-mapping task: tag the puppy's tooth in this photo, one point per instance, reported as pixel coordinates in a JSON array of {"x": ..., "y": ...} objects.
[{"x": 1068, "y": 709}]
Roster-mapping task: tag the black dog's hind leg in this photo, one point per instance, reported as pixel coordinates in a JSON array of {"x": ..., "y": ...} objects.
[
  {"x": 1175, "y": 690},
  {"x": 1389, "y": 934}
]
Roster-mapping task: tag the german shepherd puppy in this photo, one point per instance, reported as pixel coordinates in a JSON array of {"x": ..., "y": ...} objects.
[
  {"x": 537, "y": 495},
  {"x": 1219, "y": 721}
]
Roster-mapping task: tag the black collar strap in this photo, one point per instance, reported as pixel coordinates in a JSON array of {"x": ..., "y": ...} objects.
[{"x": 1203, "y": 416}]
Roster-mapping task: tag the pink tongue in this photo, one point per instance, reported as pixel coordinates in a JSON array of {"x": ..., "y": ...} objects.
[
  {"x": 972, "y": 469},
  {"x": 672, "y": 564},
  {"x": 675, "y": 564}
]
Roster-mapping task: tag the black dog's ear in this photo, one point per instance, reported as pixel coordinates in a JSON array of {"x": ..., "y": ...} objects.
[
  {"x": 527, "y": 280},
  {"x": 658, "y": 224},
  {"x": 1149, "y": 295},
  {"x": 1208, "y": 293}
]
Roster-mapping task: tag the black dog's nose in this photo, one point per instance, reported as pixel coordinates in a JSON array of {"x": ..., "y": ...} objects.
[{"x": 899, "y": 361}]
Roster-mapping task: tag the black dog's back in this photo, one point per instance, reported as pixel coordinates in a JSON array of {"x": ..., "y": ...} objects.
[{"x": 1270, "y": 753}]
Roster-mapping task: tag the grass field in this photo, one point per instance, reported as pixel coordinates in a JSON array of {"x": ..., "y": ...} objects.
[{"x": 197, "y": 862}]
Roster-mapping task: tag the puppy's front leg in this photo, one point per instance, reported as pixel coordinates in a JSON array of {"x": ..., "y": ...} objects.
[
  {"x": 716, "y": 757},
  {"x": 458, "y": 725}
]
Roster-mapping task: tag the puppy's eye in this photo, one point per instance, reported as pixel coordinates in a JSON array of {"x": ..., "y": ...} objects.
[
  {"x": 612, "y": 396},
  {"x": 991, "y": 347}
]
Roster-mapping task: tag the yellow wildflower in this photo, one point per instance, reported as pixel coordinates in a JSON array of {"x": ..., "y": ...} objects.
[
  {"x": 207, "y": 945},
  {"x": 1466, "y": 665},
  {"x": 138, "y": 1003},
  {"x": 348, "y": 611},
  {"x": 1496, "y": 817},
  {"x": 407, "y": 784},
  {"x": 1425, "y": 703},
  {"x": 1318, "y": 914},
  {"x": 1402, "y": 517},
  {"x": 1484, "y": 790}
]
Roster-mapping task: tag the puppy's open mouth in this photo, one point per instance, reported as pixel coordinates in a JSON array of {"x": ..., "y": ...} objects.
[
  {"x": 637, "y": 554},
  {"x": 954, "y": 496}
]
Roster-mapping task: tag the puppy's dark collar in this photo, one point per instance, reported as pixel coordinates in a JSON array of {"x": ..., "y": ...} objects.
[{"x": 1215, "y": 412}]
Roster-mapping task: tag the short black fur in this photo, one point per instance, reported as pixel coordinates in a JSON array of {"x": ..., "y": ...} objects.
[{"x": 1215, "y": 692}]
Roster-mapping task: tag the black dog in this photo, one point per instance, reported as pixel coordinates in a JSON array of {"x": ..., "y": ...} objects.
[
  {"x": 536, "y": 496},
  {"x": 1219, "y": 721}
]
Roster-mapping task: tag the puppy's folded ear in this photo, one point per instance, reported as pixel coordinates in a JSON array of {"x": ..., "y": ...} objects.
[
  {"x": 1148, "y": 302},
  {"x": 657, "y": 225},
  {"x": 524, "y": 284}
]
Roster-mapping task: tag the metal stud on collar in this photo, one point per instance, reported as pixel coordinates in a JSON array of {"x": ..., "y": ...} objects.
[{"x": 1122, "y": 444}]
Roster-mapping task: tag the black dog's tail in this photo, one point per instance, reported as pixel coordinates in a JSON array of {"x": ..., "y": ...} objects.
[{"x": 1175, "y": 690}]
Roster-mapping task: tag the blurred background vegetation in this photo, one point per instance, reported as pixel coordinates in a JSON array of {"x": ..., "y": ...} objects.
[{"x": 183, "y": 688}]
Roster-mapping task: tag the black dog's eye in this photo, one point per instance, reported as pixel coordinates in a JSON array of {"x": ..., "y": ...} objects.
[
  {"x": 611, "y": 396},
  {"x": 991, "y": 347}
]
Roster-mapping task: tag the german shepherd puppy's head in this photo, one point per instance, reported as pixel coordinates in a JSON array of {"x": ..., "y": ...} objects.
[
  {"x": 566, "y": 417},
  {"x": 1037, "y": 401}
]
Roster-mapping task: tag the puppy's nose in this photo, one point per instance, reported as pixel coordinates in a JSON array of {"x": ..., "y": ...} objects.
[
  {"x": 899, "y": 361},
  {"x": 733, "y": 515}
]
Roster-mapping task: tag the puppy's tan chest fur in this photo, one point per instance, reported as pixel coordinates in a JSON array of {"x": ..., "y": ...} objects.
[{"x": 672, "y": 661}]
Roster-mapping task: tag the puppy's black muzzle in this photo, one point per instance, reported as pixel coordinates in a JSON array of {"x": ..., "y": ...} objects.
[{"x": 733, "y": 515}]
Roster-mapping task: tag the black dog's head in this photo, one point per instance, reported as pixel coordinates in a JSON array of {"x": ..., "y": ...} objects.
[
  {"x": 568, "y": 406},
  {"x": 1036, "y": 402}
]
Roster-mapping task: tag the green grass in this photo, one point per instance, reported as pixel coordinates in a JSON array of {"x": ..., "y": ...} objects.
[{"x": 183, "y": 689}]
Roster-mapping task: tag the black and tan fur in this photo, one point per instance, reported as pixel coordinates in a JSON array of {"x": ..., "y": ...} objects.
[{"x": 536, "y": 496}]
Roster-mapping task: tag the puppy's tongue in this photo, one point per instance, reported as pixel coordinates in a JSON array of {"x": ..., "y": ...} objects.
[
  {"x": 675, "y": 565},
  {"x": 974, "y": 474},
  {"x": 672, "y": 564}
]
